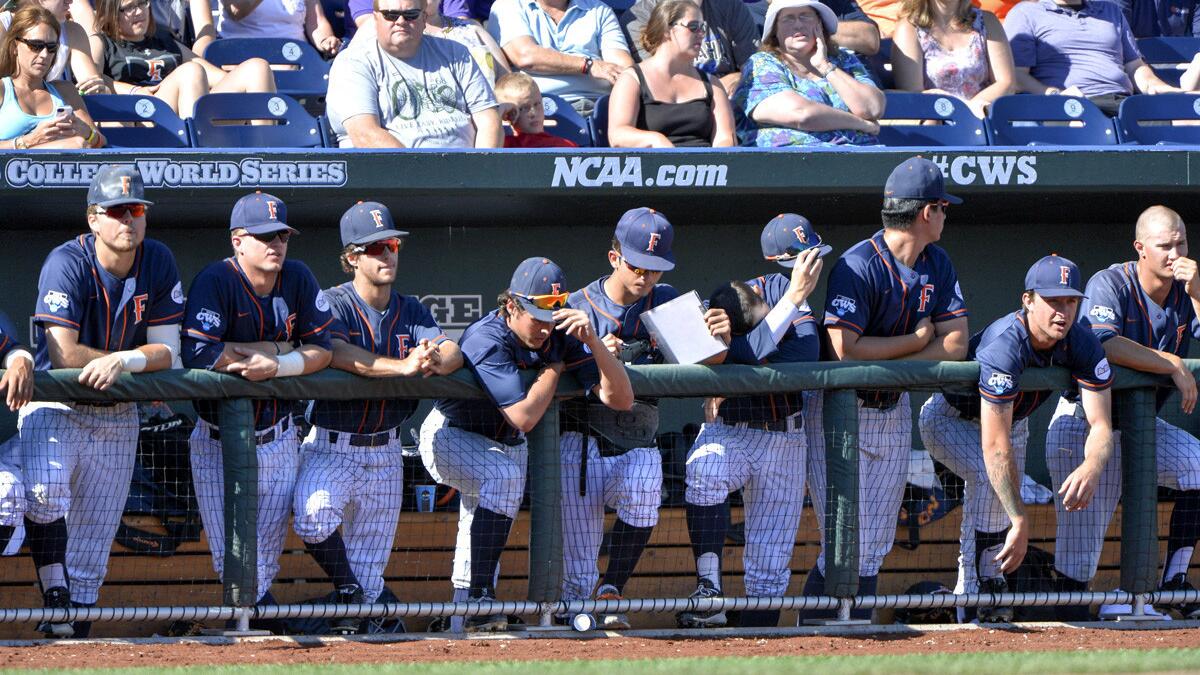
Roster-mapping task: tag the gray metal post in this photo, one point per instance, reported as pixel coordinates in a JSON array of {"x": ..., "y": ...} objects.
[{"x": 240, "y": 462}]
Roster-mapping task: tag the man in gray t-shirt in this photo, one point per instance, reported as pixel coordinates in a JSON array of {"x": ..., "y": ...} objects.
[{"x": 402, "y": 89}]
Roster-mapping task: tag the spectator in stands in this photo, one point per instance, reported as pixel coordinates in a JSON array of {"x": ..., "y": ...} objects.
[
  {"x": 59, "y": 119},
  {"x": 488, "y": 55},
  {"x": 1078, "y": 48},
  {"x": 857, "y": 27},
  {"x": 730, "y": 36},
  {"x": 950, "y": 47},
  {"x": 292, "y": 19},
  {"x": 400, "y": 88},
  {"x": 665, "y": 101},
  {"x": 140, "y": 60},
  {"x": 73, "y": 59},
  {"x": 1155, "y": 18},
  {"x": 174, "y": 15},
  {"x": 795, "y": 92},
  {"x": 573, "y": 48},
  {"x": 521, "y": 105}
]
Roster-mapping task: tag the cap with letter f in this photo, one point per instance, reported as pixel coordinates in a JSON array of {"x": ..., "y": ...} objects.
[
  {"x": 787, "y": 236},
  {"x": 116, "y": 184},
  {"x": 1055, "y": 277},
  {"x": 368, "y": 222},
  {"x": 260, "y": 213},
  {"x": 646, "y": 236},
  {"x": 540, "y": 286}
]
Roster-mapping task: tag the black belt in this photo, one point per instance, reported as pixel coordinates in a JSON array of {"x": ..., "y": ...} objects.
[
  {"x": 259, "y": 437},
  {"x": 367, "y": 440}
]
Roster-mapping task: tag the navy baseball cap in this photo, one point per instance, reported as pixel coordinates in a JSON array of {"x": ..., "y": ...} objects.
[
  {"x": 117, "y": 184},
  {"x": 646, "y": 236},
  {"x": 366, "y": 222},
  {"x": 918, "y": 178},
  {"x": 787, "y": 236},
  {"x": 535, "y": 277},
  {"x": 1055, "y": 277},
  {"x": 259, "y": 213}
]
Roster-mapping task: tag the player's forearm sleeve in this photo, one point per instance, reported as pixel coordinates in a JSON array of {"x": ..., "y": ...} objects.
[
  {"x": 167, "y": 336},
  {"x": 16, "y": 354}
]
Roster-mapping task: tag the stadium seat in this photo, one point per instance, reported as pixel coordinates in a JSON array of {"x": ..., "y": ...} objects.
[
  {"x": 306, "y": 75},
  {"x": 166, "y": 130},
  {"x": 1021, "y": 119},
  {"x": 880, "y": 64},
  {"x": 564, "y": 122},
  {"x": 598, "y": 123},
  {"x": 221, "y": 122},
  {"x": 1148, "y": 120},
  {"x": 959, "y": 126},
  {"x": 1168, "y": 56}
]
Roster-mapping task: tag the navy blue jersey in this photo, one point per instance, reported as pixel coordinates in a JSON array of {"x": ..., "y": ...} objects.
[
  {"x": 1004, "y": 352},
  {"x": 494, "y": 354},
  {"x": 393, "y": 333},
  {"x": 799, "y": 345},
  {"x": 111, "y": 314},
  {"x": 8, "y": 337},
  {"x": 1118, "y": 305},
  {"x": 222, "y": 307},
  {"x": 623, "y": 321}
]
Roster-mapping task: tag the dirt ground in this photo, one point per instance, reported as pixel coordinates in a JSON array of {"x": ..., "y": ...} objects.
[{"x": 298, "y": 651}]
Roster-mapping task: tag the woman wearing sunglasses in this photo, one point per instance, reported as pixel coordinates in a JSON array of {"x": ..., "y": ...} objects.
[
  {"x": 664, "y": 101},
  {"x": 35, "y": 113},
  {"x": 798, "y": 91},
  {"x": 73, "y": 60},
  {"x": 140, "y": 60}
]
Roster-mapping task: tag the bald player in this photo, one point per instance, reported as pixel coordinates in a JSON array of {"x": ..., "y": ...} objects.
[
  {"x": 257, "y": 315},
  {"x": 1143, "y": 311},
  {"x": 982, "y": 436},
  {"x": 109, "y": 302},
  {"x": 893, "y": 296}
]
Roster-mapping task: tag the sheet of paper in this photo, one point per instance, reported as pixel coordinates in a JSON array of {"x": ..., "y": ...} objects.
[{"x": 679, "y": 330}]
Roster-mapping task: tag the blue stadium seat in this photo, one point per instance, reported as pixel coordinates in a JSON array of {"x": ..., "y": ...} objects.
[
  {"x": 564, "y": 122},
  {"x": 1168, "y": 56},
  {"x": 598, "y": 123},
  {"x": 959, "y": 125},
  {"x": 1160, "y": 111},
  {"x": 307, "y": 75},
  {"x": 220, "y": 122},
  {"x": 167, "y": 130},
  {"x": 1020, "y": 119}
]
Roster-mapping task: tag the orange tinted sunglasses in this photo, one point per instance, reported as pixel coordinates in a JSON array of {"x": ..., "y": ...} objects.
[{"x": 550, "y": 301}]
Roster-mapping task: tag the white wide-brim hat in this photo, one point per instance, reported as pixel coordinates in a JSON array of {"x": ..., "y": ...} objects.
[{"x": 827, "y": 16}]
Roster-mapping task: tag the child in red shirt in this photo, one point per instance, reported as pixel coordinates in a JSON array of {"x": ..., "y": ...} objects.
[{"x": 521, "y": 106}]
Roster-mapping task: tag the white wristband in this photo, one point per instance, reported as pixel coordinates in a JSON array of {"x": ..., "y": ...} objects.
[
  {"x": 780, "y": 318},
  {"x": 133, "y": 360},
  {"x": 290, "y": 364},
  {"x": 16, "y": 354}
]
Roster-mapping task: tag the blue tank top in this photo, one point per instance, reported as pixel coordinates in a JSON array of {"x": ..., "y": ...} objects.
[{"x": 16, "y": 122}]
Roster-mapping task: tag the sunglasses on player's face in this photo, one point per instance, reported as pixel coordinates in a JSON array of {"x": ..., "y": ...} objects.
[
  {"x": 393, "y": 15},
  {"x": 378, "y": 247},
  {"x": 548, "y": 301},
  {"x": 118, "y": 212},
  {"x": 268, "y": 237}
]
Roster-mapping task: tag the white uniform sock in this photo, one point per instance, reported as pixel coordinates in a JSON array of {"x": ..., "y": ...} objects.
[
  {"x": 51, "y": 576},
  {"x": 708, "y": 566},
  {"x": 1178, "y": 564}
]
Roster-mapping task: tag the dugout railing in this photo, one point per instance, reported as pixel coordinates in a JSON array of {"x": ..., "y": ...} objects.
[{"x": 1133, "y": 405}]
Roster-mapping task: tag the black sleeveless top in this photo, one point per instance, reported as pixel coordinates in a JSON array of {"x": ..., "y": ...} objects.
[
  {"x": 687, "y": 124},
  {"x": 146, "y": 62}
]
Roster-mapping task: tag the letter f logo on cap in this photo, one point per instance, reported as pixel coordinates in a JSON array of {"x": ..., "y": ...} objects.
[
  {"x": 1064, "y": 275},
  {"x": 272, "y": 212},
  {"x": 654, "y": 237},
  {"x": 555, "y": 288},
  {"x": 377, "y": 215},
  {"x": 126, "y": 182},
  {"x": 801, "y": 235}
]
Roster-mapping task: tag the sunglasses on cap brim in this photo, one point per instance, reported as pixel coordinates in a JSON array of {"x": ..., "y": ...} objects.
[
  {"x": 551, "y": 301},
  {"x": 793, "y": 251}
]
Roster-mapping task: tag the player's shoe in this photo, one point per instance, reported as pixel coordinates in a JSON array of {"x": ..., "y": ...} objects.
[
  {"x": 57, "y": 598},
  {"x": 1179, "y": 582},
  {"x": 614, "y": 620},
  {"x": 349, "y": 594},
  {"x": 994, "y": 614},
  {"x": 485, "y": 623},
  {"x": 705, "y": 590}
]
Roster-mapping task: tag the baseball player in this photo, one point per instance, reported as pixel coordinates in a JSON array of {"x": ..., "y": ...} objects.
[
  {"x": 257, "y": 315},
  {"x": 629, "y": 482},
  {"x": 351, "y": 468},
  {"x": 17, "y": 387},
  {"x": 756, "y": 443},
  {"x": 478, "y": 446},
  {"x": 1142, "y": 311},
  {"x": 893, "y": 296},
  {"x": 108, "y": 302},
  {"x": 983, "y": 438}
]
